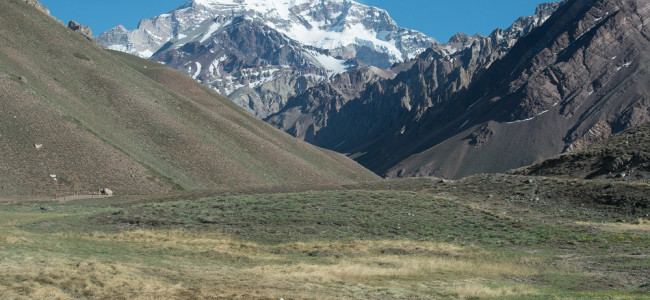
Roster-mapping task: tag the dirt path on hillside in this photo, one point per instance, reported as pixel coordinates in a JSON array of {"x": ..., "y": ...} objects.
[{"x": 50, "y": 199}]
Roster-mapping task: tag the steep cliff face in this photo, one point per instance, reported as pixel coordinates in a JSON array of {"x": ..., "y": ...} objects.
[
  {"x": 306, "y": 113},
  {"x": 259, "y": 53},
  {"x": 257, "y": 66},
  {"x": 503, "y": 103}
]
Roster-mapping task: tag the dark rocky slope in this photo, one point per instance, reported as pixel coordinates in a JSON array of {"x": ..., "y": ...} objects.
[
  {"x": 433, "y": 77},
  {"x": 576, "y": 79}
]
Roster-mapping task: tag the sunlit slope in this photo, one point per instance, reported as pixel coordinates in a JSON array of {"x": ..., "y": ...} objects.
[{"x": 103, "y": 123}]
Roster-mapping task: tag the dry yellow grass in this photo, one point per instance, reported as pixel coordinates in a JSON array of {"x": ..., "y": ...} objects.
[
  {"x": 640, "y": 225},
  {"x": 477, "y": 290},
  {"x": 379, "y": 268},
  {"x": 236, "y": 269},
  {"x": 63, "y": 279}
]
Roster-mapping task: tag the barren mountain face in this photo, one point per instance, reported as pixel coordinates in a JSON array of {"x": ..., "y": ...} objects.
[
  {"x": 434, "y": 76},
  {"x": 499, "y": 103},
  {"x": 577, "y": 79}
]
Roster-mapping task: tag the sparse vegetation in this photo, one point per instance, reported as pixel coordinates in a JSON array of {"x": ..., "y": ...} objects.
[
  {"x": 108, "y": 119},
  {"x": 434, "y": 240}
]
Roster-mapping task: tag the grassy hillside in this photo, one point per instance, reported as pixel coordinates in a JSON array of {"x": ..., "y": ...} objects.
[
  {"x": 494, "y": 237},
  {"x": 76, "y": 118},
  {"x": 625, "y": 156}
]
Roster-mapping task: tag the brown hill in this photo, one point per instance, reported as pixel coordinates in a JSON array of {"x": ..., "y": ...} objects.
[
  {"x": 624, "y": 156},
  {"x": 76, "y": 118}
]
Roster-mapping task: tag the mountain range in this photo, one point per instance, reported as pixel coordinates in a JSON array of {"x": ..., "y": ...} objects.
[
  {"x": 568, "y": 76},
  {"x": 574, "y": 79},
  {"x": 443, "y": 70},
  {"x": 258, "y": 53}
]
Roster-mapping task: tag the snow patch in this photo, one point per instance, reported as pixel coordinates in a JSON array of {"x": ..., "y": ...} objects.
[
  {"x": 213, "y": 28},
  {"x": 521, "y": 121},
  {"x": 198, "y": 70},
  {"x": 214, "y": 66},
  {"x": 145, "y": 53},
  {"x": 342, "y": 36},
  {"x": 450, "y": 50},
  {"x": 336, "y": 66}
]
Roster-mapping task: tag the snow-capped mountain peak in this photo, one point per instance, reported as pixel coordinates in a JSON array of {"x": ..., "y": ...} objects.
[
  {"x": 234, "y": 45},
  {"x": 339, "y": 26}
]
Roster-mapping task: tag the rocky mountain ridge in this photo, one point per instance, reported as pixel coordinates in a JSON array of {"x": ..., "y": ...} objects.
[
  {"x": 40, "y": 7},
  {"x": 435, "y": 76},
  {"x": 576, "y": 79},
  {"x": 259, "y": 53}
]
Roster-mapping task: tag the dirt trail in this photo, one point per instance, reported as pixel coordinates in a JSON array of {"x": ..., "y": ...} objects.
[{"x": 50, "y": 199}]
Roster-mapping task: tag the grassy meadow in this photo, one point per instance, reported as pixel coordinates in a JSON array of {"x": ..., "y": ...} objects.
[{"x": 403, "y": 239}]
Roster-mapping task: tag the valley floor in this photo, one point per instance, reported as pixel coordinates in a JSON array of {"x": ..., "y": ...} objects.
[{"x": 495, "y": 236}]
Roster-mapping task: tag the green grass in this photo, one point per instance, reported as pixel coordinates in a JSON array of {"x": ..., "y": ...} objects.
[
  {"x": 343, "y": 215},
  {"x": 435, "y": 241}
]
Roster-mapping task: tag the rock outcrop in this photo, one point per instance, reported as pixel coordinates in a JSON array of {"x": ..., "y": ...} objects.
[
  {"x": 85, "y": 31},
  {"x": 624, "y": 156},
  {"x": 38, "y": 6},
  {"x": 307, "y": 113}
]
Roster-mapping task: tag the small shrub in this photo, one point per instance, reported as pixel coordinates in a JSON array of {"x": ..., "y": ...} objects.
[{"x": 81, "y": 56}]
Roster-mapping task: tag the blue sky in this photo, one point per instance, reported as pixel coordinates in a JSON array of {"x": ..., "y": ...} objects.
[{"x": 437, "y": 18}]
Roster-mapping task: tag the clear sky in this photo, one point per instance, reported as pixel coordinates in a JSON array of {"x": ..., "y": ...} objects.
[{"x": 436, "y": 18}]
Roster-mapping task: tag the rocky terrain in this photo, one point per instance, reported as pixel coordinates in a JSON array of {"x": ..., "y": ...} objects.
[
  {"x": 38, "y": 6},
  {"x": 85, "y": 31},
  {"x": 259, "y": 53},
  {"x": 435, "y": 76},
  {"x": 576, "y": 79},
  {"x": 622, "y": 157}
]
